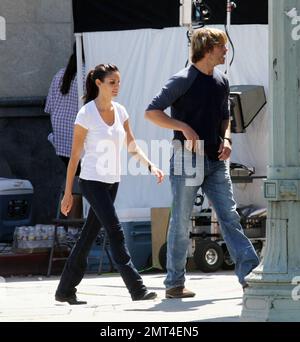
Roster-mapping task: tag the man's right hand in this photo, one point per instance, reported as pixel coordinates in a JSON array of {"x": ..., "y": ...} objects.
[{"x": 191, "y": 137}]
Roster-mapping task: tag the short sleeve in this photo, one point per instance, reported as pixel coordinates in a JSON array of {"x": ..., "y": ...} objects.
[
  {"x": 53, "y": 92},
  {"x": 167, "y": 96},
  {"x": 175, "y": 87},
  {"x": 82, "y": 118},
  {"x": 50, "y": 98},
  {"x": 123, "y": 114}
]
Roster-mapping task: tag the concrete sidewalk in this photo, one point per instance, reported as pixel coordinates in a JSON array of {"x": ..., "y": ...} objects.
[{"x": 218, "y": 299}]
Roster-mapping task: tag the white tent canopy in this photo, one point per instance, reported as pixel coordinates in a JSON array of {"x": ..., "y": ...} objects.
[{"x": 146, "y": 59}]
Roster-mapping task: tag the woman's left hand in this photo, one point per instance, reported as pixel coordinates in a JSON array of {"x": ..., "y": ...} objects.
[{"x": 158, "y": 173}]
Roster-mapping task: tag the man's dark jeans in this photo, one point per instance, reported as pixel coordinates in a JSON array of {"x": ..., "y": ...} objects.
[{"x": 101, "y": 197}]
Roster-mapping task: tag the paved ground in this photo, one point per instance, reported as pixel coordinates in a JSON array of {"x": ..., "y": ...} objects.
[{"x": 218, "y": 299}]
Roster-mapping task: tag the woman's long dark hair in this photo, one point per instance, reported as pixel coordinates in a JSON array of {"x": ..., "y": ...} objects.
[
  {"x": 70, "y": 72},
  {"x": 99, "y": 73}
]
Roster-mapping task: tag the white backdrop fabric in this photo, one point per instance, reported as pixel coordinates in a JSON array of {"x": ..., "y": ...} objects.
[
  {"x": 251, "y": 67},
  {"x": 146, "y": 58}
]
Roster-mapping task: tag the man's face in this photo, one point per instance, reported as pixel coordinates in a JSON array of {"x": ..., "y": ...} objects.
[{"x": 218, "y": 54}]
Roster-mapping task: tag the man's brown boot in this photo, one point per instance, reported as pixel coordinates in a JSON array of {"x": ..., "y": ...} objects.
[{"x": 179, "y": 292}]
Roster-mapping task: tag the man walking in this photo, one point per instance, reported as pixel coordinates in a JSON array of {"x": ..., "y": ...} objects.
[{"x": 198, "y": 96}]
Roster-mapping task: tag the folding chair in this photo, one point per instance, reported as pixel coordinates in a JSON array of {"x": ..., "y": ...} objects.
[{"x": 75, "y": 220}]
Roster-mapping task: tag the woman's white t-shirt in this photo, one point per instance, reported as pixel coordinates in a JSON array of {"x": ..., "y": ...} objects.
[{"x": 101, "y": 160}]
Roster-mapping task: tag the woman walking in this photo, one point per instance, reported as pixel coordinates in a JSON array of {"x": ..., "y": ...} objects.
[{"x": 101, "y": 127}]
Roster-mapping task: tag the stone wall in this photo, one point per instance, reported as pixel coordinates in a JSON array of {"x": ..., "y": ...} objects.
[
  {"x": 25, "y": 153},
  {"x": 39, "y": 39}
]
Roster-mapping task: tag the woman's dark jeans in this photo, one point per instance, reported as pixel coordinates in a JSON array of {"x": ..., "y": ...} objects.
[{"x": 101, "y": 197}]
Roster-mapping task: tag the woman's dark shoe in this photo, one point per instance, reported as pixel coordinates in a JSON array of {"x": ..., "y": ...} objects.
[
  {"x": 145, "y": 296},
  {"x": 72, "y": 300}
]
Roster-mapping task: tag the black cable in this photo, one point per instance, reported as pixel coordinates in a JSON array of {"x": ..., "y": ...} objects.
[
  {"x": 231, "y": 44},
  {"x": 228, "y": 35},
  {"x": 189, "y": 43}
]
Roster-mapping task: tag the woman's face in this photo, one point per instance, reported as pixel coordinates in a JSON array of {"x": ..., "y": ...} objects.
[{"x": 110, "y": 85}]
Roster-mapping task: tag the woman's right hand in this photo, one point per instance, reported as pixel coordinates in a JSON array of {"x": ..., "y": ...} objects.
[
  {"x": 66, "y": 204},
  {"x": 158, "y": 173}
]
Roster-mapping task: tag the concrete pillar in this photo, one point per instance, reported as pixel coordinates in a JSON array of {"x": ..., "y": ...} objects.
[{"x": 272, "y": 294}]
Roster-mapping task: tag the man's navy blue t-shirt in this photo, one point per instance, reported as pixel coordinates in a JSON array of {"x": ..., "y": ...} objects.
[{"x": 199, "y": 100}]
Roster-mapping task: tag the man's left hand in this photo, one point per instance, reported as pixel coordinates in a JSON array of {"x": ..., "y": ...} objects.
[{"x": 224, "y": 150}]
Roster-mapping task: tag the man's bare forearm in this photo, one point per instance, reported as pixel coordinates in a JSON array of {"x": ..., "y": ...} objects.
[
  {"x": 225, "y": 129},
  {"x": 161, "y": 119}
]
